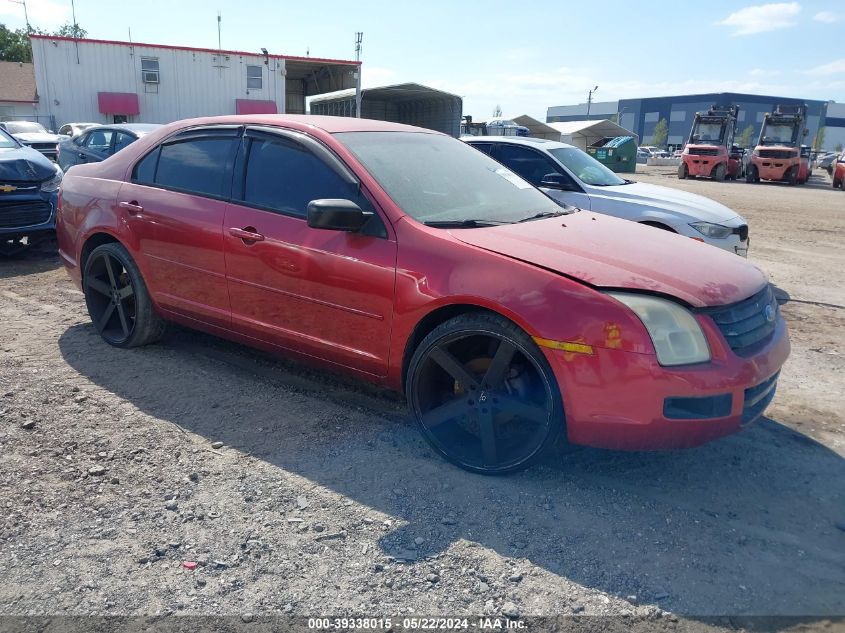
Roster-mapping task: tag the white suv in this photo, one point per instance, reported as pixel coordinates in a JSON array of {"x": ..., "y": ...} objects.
[{"x": 570, "y": 176}]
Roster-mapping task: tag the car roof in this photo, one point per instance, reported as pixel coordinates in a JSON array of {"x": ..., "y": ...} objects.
[
  {"x": 136, "y": 128},
  {"x": 541, "y": 143},
  {"x": 329, "y": 124}
]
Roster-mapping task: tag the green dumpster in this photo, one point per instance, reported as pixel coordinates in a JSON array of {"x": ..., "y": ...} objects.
[{"x": 619, "y": 153}]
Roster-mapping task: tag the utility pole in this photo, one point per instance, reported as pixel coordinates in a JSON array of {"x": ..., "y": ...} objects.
[
  {"x": 25, "y": 14},
  {"x": 359, "y": 38},
  {"x": 590, "y": 100},
  {"x": 219, "y": 34}
]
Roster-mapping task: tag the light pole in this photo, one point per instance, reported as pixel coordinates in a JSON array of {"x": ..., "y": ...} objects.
[
  {"x": 590, "y": 100},
  {"x": 25, "y": 14}
]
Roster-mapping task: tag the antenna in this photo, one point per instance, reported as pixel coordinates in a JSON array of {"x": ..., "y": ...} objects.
[
  {"x": 219, "y": 26},
  {"x": 75, "y": 29},
  {"x": 359, "y": 37}
]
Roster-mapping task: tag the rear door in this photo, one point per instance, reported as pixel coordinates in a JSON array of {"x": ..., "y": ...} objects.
[
  {"x": 534, "y": 166},
  {"x": 174, "y": 206},
  {"x": 96, "y": 146},
  {"x": 328, "y": 294}
]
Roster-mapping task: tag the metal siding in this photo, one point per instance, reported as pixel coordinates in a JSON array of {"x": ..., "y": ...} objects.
[{"x": 191, "y": 84}]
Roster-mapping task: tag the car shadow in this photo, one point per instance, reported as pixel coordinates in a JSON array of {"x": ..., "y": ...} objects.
[
  {"x": 751, "y": 524},
  {"x": 38, "y": 258}
]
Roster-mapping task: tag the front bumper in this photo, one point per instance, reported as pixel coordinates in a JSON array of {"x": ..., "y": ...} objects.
[
  {"x": 772, "y": 168},
  {"x": 24, "y": 216},
  {"x": 618, "y": 400},
  {"x": 702, "y": 166}
]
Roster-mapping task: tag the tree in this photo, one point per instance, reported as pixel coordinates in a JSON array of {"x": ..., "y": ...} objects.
[
  {"x": 744, "y": 139},
  {"x": 661, "y": 133},
  {"x": 71, "y": 30},
  {"x": 818, "y": 142},
  {"x": 15, "y": 45}
]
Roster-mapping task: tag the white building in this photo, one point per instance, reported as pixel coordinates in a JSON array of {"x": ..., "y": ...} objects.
[{"x": 105, "y": 81}]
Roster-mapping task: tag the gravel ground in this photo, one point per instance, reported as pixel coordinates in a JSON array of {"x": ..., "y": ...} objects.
[{"x": 200, "y": 477}]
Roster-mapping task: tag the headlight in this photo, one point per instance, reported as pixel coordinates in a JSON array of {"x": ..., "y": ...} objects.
[
  {"x": 51, "y": 185},
  {"x": 708, "y": 229},
  {"x": 676, "y": 335}
]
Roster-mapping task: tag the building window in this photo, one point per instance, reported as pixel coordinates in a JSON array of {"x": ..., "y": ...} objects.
[
  {"x": 254, "y": 76},
  {"x": 149, "y": 70},
  {"x": 651, "y": 117},
  {"x": 678, "y": 115}
]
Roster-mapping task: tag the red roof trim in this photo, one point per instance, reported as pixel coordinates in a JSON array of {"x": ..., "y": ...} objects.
[{"x": 86, "y": 40}]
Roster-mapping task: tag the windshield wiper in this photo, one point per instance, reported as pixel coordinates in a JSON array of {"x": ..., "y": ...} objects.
[
  {"x": 462, "y": 224},
  {"x": 547, "y": 214}
]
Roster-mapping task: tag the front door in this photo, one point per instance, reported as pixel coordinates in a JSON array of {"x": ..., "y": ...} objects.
[
  {"x": 175, "y": 206},
  {"x": 534, "y": 166},
  {"x": 328, "y": 294}
]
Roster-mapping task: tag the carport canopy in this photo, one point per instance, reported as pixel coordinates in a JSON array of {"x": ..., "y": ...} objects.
[{"x": 581, "y": 134}]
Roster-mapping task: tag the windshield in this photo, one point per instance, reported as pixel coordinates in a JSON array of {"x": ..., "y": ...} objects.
[
  {"x": 436, "y": 178},
  {"x": 6, "y": 141},
  {"x": 24, "y": 127},
  {"x": 707, "y": 133},
  {"x": 778, "y": 135},
  {"x": 586, "y": 168}
]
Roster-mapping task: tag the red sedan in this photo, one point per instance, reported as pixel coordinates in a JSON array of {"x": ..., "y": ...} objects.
[
  {"x": 838, "y": 172},
  {"x": 408, "y": 258}
]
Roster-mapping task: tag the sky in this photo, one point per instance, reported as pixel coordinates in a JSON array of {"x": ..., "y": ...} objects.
[{"x": 523, "y": 56}]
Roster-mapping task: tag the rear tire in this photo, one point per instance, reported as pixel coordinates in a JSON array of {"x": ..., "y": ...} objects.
[
  {"x": 118, "y": 300},
  {"x": 484, "y": 395}
]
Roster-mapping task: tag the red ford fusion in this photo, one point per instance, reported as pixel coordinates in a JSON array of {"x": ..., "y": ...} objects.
[{"x": 410, "y": 259}]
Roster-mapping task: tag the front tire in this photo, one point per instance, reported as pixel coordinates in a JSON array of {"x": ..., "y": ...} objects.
[
  {"x": 792, "y": 176},
  {"x": 118, "y": 300},
  {"x": 751, "y": 175},
  {"x": 484, "y": 395},
  {"x": 683, "y": 171},
  {"x": 719, "y": 172}
]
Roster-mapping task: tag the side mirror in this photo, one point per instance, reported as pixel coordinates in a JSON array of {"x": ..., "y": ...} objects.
[
  {"x": 337, "y": 215},
  {"x": 556, "y": 181}
]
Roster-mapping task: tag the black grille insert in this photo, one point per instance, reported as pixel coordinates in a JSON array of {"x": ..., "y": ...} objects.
[
  {"x": 749, "y": 322},
  {"x": 777, "y": 153},
  {"x": 757, "y": 398},
  {"x": 23, "y": 213}
]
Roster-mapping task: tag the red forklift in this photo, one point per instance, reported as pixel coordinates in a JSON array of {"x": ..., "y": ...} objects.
[
  {"x": 710, "y": 151},
  {"x": 778, "y": 155}
]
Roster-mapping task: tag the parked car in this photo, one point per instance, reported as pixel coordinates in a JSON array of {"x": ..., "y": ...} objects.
[
  {"x": 33, "y": 135},
  {"x": 573, "y": 177},
  {"x": 408, "y": 258},
  {"x": 99, "y": 142},
  {"x": 838, "y": 169},
  {"x": 654, "y": 152},
  {"x": 28, "y": 186},
  {"x": 826, "y": 162},
  {"x": 72, "y": 129}
]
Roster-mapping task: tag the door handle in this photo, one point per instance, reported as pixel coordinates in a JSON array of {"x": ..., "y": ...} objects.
[
  {"x": 249, "y": 235},
  {"x": 132, "y": 207}
]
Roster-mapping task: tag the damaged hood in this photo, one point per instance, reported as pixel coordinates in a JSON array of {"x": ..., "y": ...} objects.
[
  {"x": 607, "y": 252},
  {"x": 24, "y": 164}
]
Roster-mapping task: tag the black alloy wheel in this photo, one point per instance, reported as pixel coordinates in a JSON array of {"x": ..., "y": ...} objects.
[
  {"x": 484, "y": 395},
  {"x": 117, "y": 298}
]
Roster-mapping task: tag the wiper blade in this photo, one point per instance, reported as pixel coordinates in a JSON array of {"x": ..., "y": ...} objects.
[
  {"x": 546, "y": 214},
  {"x": 462, "y": 224}
]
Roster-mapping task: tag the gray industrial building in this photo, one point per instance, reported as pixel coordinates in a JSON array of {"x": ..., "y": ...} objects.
[{"x": 642, "y": 115}]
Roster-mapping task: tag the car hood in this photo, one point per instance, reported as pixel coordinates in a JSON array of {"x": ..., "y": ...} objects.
[
  {"x": 38, "y": 137},
  {"x": 607, "y": 252},
  {"x": 24, "y": 164},
  {"x": 697, "y": 208}
]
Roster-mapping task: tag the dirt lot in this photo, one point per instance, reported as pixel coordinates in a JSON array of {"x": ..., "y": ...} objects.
[{"x": 322, "y": 499}]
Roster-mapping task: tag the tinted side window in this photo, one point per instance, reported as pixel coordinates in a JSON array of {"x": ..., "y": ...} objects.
[
  {"x": 284, "y": 176},
  {"x": 145, "y": 171},
  {"x": 484, "y": 147},
  {"x": 99, "y": 141},
  {"x": 197, "y": 165},
  {"x": 122, "y": 140},
  {"x": 527, "y": 163}
]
